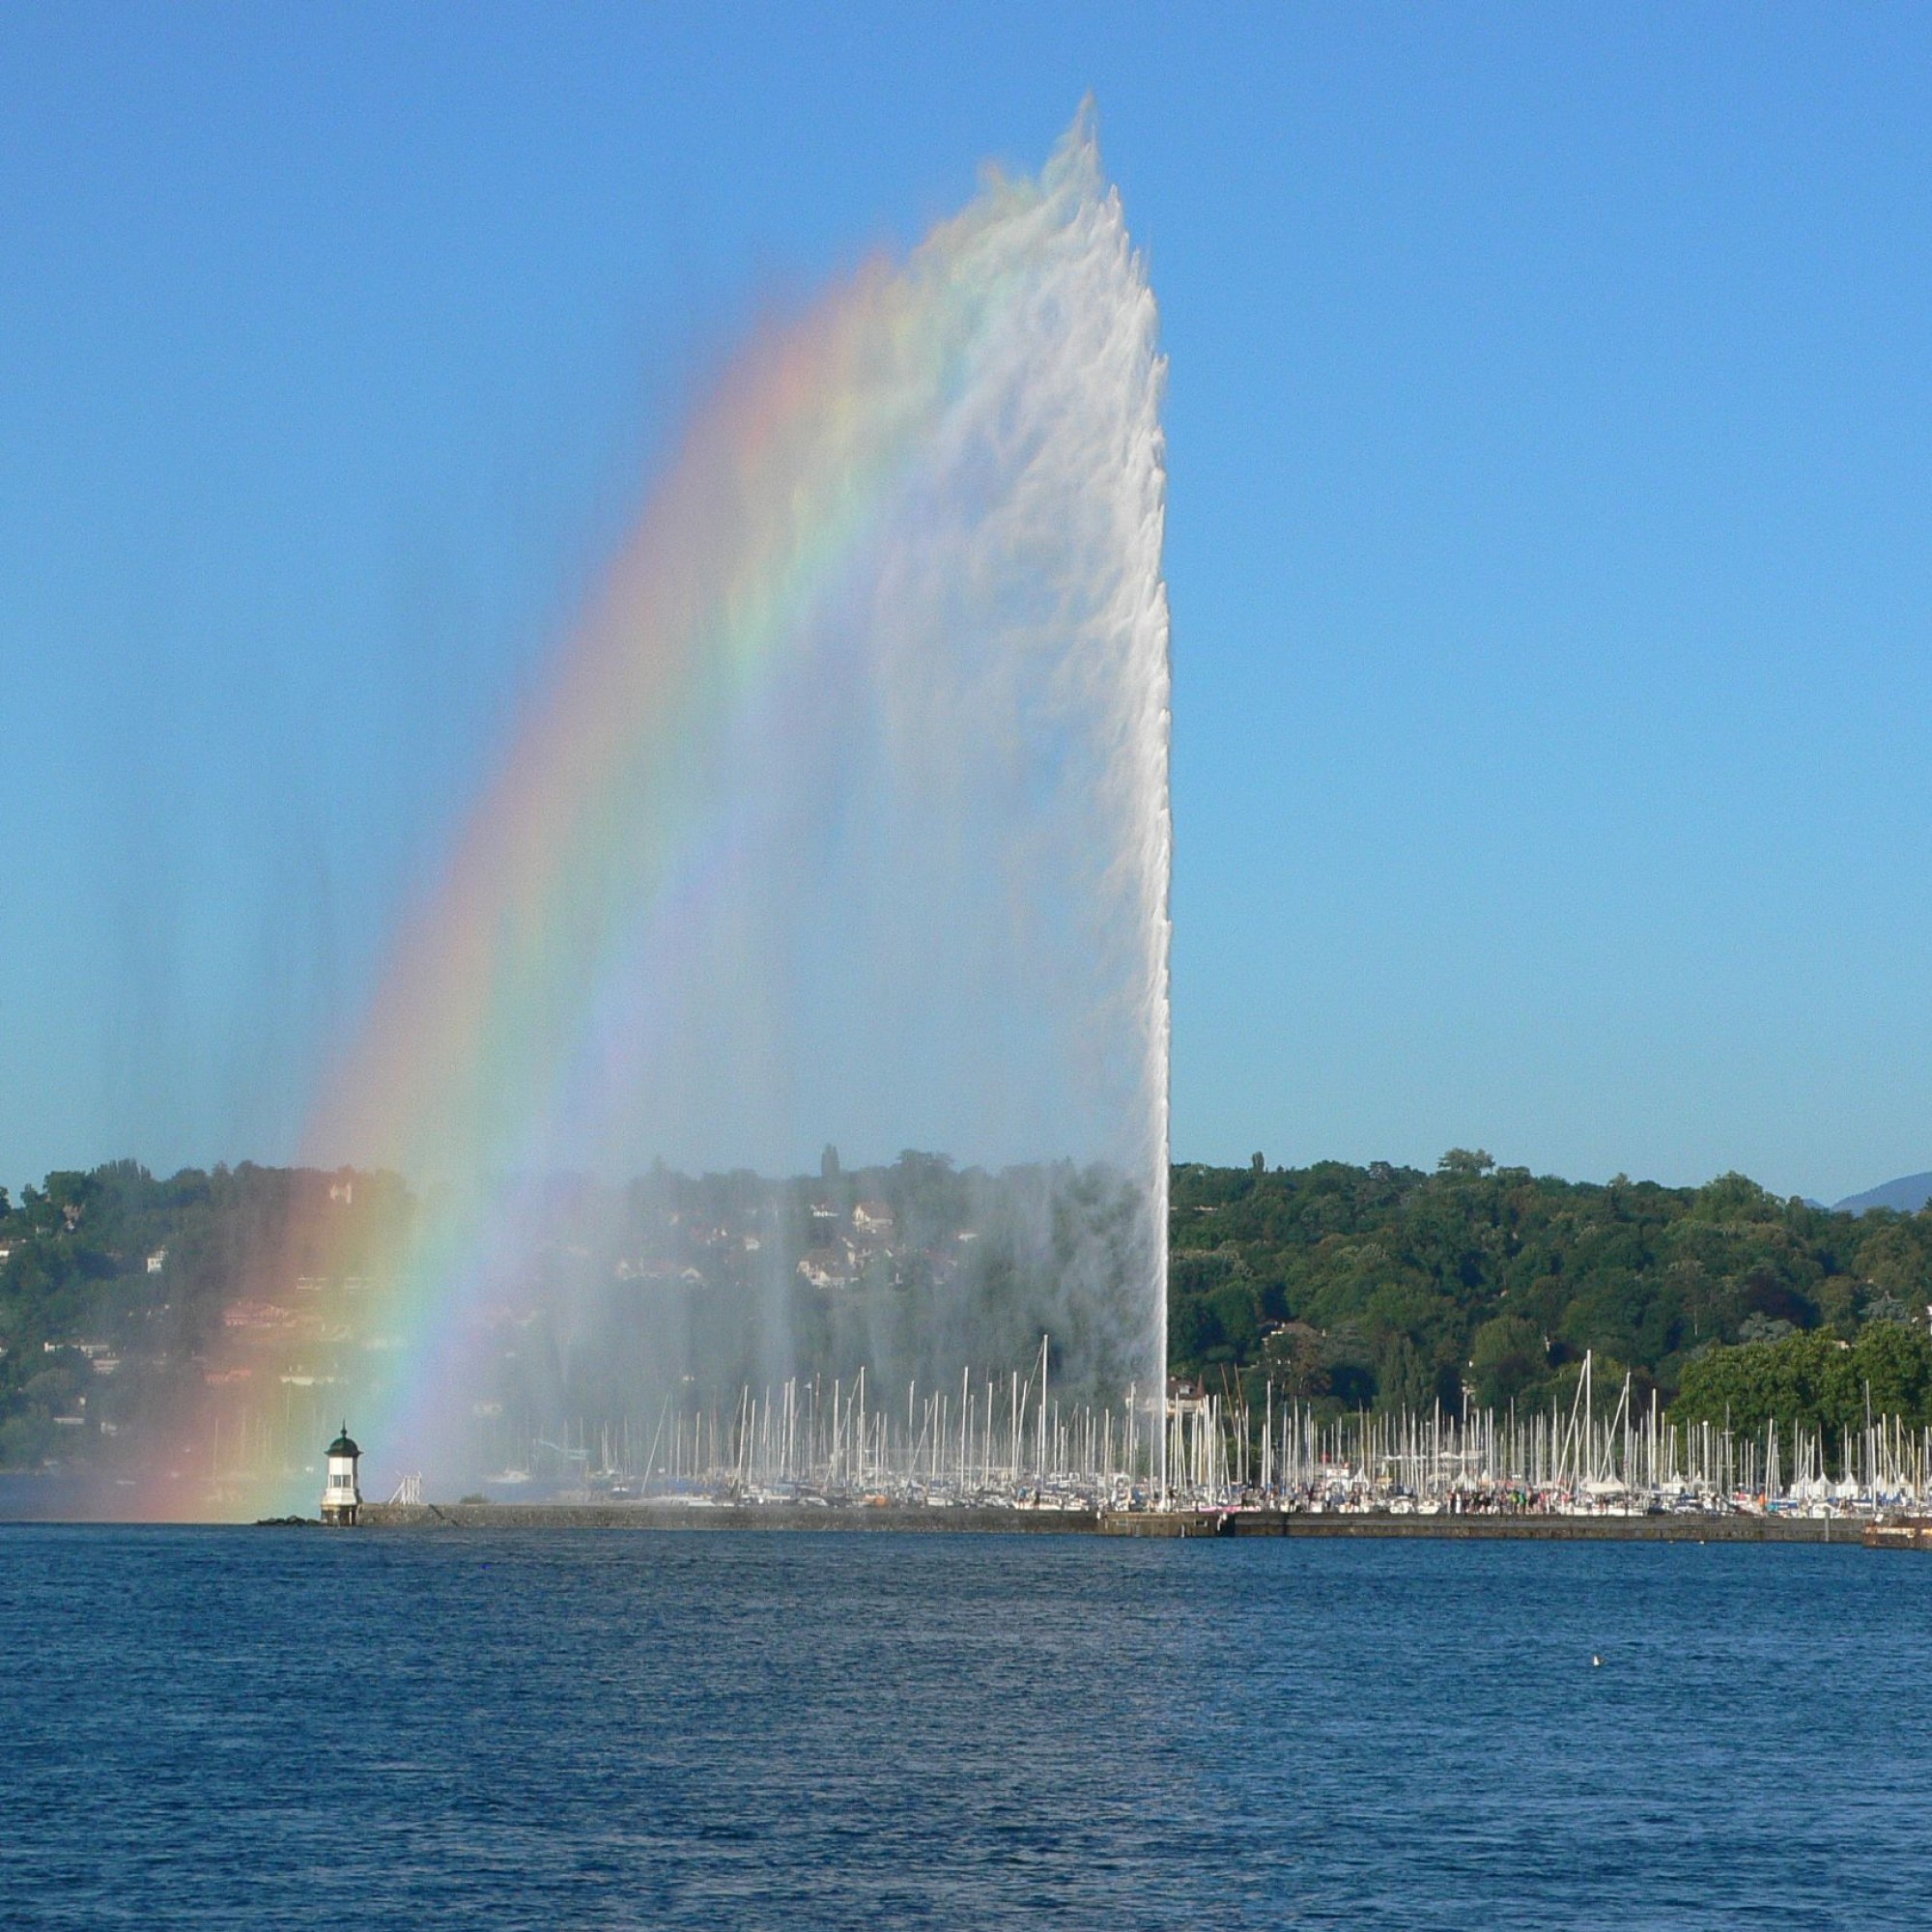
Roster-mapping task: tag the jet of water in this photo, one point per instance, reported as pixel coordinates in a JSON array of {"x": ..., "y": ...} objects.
[{"x": 845, "y": 815}]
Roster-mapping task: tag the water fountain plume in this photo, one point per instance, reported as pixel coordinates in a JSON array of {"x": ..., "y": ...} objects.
[{"x": 845, "y": 815}]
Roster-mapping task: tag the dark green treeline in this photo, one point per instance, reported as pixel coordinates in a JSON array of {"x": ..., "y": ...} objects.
[
  {"x": 1349, "y": 1287},
  {"x": 1390, "y": 1287}
]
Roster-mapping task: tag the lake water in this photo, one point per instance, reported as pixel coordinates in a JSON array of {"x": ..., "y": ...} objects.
[{"x": 281, "y": 1727}]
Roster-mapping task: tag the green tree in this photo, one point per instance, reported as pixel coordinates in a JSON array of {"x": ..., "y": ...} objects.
[{"x": 1507, "y": 1360}]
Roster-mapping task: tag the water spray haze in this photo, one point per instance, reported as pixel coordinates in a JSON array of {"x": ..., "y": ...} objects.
[{"x": 845, "y": 816}]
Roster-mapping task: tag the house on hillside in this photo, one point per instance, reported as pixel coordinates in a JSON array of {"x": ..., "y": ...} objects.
[
  {"x": 827, "y": 1267},
  {"x": 872, "y": 1221},
  {"x": 264, "y": 1315}
]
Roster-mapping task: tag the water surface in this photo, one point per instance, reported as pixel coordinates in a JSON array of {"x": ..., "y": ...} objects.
[{"x": 245, "y": 1727}]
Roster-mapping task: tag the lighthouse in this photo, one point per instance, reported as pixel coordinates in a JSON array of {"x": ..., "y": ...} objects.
[{"x": 341, "y": 1494}]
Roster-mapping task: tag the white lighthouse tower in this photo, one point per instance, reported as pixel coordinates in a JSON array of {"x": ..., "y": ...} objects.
[{"x": 341, "y": 1492}]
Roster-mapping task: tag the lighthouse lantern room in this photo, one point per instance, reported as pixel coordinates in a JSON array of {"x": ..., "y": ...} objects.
[{"x": 342, "y": 1493}]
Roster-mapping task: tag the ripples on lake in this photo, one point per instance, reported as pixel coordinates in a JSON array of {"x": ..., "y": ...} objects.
[{"x": 254, "y": 1727}]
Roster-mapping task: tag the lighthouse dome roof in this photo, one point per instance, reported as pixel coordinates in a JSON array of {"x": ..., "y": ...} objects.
[{"x": 344, "y": 1446}]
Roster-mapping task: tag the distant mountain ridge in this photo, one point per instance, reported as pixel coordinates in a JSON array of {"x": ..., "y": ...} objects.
[{"x": 1909, "y": 1193}]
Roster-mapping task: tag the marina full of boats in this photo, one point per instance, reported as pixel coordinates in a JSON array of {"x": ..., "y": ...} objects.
[{"x": 1010, "y": 1443}]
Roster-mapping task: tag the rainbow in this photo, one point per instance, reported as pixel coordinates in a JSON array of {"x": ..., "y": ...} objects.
[{"x": 522, "y": 974}]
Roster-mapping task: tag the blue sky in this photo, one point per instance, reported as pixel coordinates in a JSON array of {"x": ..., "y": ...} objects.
[{"x": 1548, "y": 550}]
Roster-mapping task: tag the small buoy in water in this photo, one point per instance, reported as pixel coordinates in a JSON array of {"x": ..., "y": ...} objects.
[{"x": 1596, "y": 1661}]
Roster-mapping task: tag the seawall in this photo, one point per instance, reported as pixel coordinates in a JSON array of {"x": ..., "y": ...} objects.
[
  {"x": 1176, "y": 1523},
  {"x": 723, "y": 1516}
]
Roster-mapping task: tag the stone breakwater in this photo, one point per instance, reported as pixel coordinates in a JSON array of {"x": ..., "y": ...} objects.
[
  {"x": 1090, "y": 1522},
  {"x": 720, "y": 1516}
]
